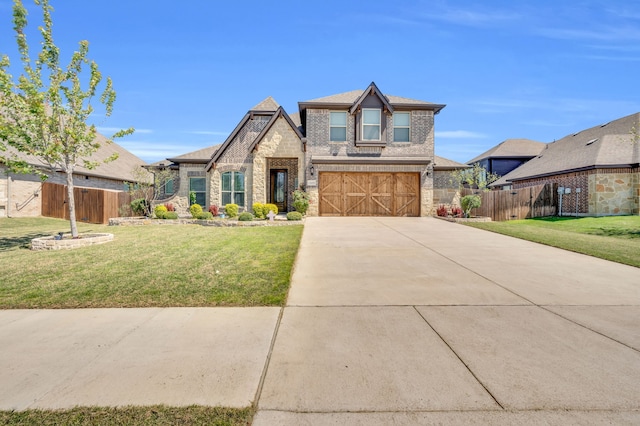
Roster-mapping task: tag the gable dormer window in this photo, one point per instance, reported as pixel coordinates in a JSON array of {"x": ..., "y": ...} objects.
[
  {"x": 371, "y": 121},
  {"x": 338, "y": 127}
]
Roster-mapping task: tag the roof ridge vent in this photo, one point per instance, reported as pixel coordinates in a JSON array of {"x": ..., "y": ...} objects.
[
  {"x": 602, "y": 125},
  {"x": 591, "y": 141}
]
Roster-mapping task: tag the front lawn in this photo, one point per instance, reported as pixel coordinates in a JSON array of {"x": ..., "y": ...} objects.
[
  {"x": 615, "y": 238},
  {"x": 147, "y": 266},
  {"x": 152, "y": 415}
]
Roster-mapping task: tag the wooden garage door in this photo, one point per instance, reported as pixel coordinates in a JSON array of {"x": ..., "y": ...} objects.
[{"x": 369, "y": 194}]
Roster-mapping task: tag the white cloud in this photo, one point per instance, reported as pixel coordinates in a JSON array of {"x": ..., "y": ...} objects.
[
  {"x": 459, "y": 134},
  {"x": 207, "y": 132},
  {"x": 117, "y": 129}
]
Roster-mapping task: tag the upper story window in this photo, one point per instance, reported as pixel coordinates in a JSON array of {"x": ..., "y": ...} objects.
[
  {"x": 338, "y": 126},
  {"x": 370, "y": 124},
  {"x": 401, "y": 126},
  {"x": 233, "y": 188}
]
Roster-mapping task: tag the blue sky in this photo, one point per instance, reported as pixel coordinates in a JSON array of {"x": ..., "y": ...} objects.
[{"x": 186, "y": 72}]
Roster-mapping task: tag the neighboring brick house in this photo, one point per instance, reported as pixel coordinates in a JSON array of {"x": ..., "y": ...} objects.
[
  {"x": 508, "y": 155},
  {"x": 355, "y": 153},
  {"x": 20, "y": 194},
  {"x": 600, "y": 162}
]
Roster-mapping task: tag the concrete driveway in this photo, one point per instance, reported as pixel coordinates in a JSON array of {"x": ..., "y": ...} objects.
[{"x": 421, "y": 321}]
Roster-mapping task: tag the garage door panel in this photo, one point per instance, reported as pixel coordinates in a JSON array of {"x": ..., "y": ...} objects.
[{"x": 369, "y": 194}]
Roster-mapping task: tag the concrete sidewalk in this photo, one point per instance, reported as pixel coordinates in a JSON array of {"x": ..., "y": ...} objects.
[{"x": 389, "y": 321}]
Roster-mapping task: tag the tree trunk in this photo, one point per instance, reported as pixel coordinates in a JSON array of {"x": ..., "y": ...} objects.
[{"x": 71, "y": 204}]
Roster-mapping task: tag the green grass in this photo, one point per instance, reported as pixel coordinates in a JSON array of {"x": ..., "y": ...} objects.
[
  {"x": 147, "y": 266},
  {"x": 615, "y": 238},
  {"x": 152, "y": 415}
]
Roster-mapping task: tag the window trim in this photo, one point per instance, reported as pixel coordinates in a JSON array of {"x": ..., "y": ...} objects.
[
  {"x": 395, "y": 126},
  {"x": 363, "y": 124},
  {"x": 331, "y": 126},
  {"x": 233, "y": 192}
]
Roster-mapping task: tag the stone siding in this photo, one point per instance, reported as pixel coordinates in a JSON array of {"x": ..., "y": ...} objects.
[
  {"x": 604, "y": 192},
  {"x": 180, "y": 197},
  {"x": 280, "y": 148}
]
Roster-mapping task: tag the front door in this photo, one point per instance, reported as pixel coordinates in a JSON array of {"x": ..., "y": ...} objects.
[{"x": 278, "y": 193}]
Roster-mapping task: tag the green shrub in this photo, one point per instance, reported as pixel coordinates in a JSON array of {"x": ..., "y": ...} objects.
[
  {"x": 270, "y": 207},
  {"x": 469, "y": 202},
  {"x": 159, "y": 211},
  {"x": 231, "y": 210},
  {"x": 245, "y": 217},
  {"x": 300, "y": 201},
  {"x": 195, "y": 210},
  {"x": 258, "y": 210},
  {"x": 140, "y": 207},
  {"x": 170, "y": 215},
  {"x": 204, "y": 215},
  {"x": 294, "y": 216}
]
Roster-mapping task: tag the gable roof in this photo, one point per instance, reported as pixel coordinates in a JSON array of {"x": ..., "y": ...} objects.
[
  {"x": 609, "y": 145},
  {"x": 273, "y": 114},
  {"x": 353, "y": 98},
  {"x": 512, "y": 148},
  {"x": 199, "y": 156},
  {"x": 120, "y": 169},
  {"x": 441, "y": 163}
]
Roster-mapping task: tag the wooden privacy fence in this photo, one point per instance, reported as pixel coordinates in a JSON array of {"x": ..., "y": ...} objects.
[
  {"x": 92, "y": 205},
  {"x": 524, "y": 203}
]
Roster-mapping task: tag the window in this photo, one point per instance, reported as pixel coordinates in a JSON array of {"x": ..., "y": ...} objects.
[
  {"x": 370, "y": 124},
  {"x": 338, "y": 126},
  {"x": 401, "y": 126},
  {"x": 198, "y": 186},
  {"x": 168, "y": 187},
  {"x": 233, "y": 188}
]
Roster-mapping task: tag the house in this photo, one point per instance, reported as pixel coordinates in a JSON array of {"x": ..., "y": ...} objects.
[
  {"x": 20, "y": 194},
  {"x": 597, "y": 169},
  {"x": 356, "y": 153},
  {"x": 508, "y": 155}
]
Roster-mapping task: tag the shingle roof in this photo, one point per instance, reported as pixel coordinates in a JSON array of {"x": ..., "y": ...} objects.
[
  {"x": 441, "y": 163},
  {"x": 200, "y": 156},
  {"x": 267, "y": 104},
  {"x": 349, "y": 98},
  {"x": 606, "y": 145},
  {"x": 120, "y": 169},
  {"x": 511, "y": 148}
]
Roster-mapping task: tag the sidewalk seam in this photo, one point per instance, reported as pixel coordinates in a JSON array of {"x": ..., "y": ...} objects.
[
  {"x": 265, "y": 369},
  {"x": 461, "y": 360}
]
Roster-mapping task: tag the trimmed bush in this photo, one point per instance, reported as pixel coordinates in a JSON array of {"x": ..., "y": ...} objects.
[
  {"x": 245, "y": 217},
  {"x": 469, "y": 202},
  {"x": 195, "y": 210},
  {"x": 300, "y": 201},
  {"x": 160, "y": 211},
  {"x": 140, "y": 207},
  {"x": 294, "y": 216},
  {"x": 270, "y": 207},
  {"x": 231, "y": 210},
  {"x": 213, "y": 209},
  {"x": 258, "y": 210},
  {"x": 204, "y": 216},
  {"x": 169, "y": 215}
]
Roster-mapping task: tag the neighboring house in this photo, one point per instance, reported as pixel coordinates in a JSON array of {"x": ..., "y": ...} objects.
[
  {"x": 508, "y": 155},
  {"x": 20, "y": 194},
  {"x": 598, "y": 167},
  {"x": 445, "y": 188},
  {"x": 355, "y": 153}
]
